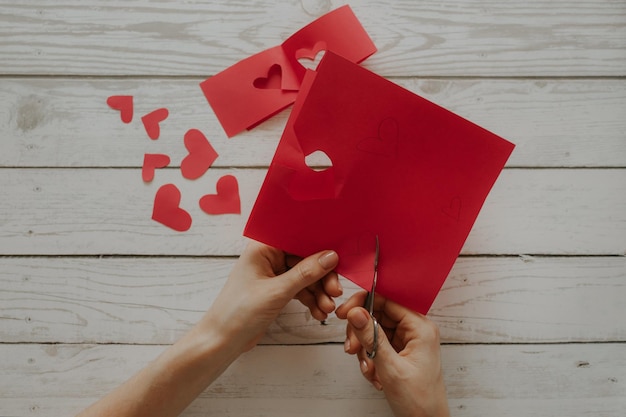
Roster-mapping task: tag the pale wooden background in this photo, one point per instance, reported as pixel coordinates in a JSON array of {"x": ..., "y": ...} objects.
[{"x": 91, "y": 289}]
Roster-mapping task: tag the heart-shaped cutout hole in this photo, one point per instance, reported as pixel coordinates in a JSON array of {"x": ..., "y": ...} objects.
[
  {"x": 318, "y": 161},
  {"x": 311, "y": 62},
  {"x": 272, "y": 81}
]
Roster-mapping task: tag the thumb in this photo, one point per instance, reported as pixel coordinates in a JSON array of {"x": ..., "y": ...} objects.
[
  {"x": 363, "y": 328},
  {"x": 309, "y": 270}
]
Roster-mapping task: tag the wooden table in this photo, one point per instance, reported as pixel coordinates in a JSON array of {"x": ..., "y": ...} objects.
[{"x": 91, "y": 289}]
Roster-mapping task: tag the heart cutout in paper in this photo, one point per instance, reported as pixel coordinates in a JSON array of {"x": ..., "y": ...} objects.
[
  {"x": 226, "y": 201},
  {"x": 166, "y": 209},
  {"x": 318, "y": 161},
  {"x": 386, "y": 143},
  {"x": 310, "y": 58},
  {"x": 314, "y": 182},
  {"x": 151, "y": 161},
  {"x": 152, "y": 120},
  {"x": 201, "y": 155},
  {"x": 125, "y": 106},
  {"x": 272, "y": 81}
]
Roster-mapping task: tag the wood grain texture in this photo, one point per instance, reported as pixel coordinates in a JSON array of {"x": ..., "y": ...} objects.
[
  {"x": 477, "y": 37},
  {"x": 65, "y": 122},
  {"x": 529, "y": 335},
  {"x": 99, "y": 212},
  {"x": 155, "y": 300},
  {"x": 482, "y": 380}
]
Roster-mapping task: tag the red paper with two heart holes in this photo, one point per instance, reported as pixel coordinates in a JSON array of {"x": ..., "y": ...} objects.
[
  {"x": 404, "y": 169},
  {"x": 262, "y": 85}
]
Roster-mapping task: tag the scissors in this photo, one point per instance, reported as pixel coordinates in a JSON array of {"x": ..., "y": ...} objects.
[{"x": 369, "y": 303}]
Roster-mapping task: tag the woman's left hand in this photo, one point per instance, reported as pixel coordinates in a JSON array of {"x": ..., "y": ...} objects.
[{"x": 262, "y": 283}]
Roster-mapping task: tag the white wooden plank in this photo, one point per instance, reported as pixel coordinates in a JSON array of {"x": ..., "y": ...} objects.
[
  {"x": 65, "y": 122},
  {"x": 99, "y": 211},
  {"x": 478, "y": 37},
  {"x": 482, "y": 380},
  {"x": 155, "y": 300}
]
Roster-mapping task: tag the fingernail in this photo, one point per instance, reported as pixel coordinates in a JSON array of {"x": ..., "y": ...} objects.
[
  {"x": 346, "y": 345},
  {"x": 363, "y": 366},
  {"x": 329, "y": 260},
  {"x": 377, "y": 385},
  {"x": 339, "y": 287}
]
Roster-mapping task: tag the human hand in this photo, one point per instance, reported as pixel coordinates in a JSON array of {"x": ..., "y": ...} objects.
[
  {"x": 407, "y": 365},
  {"x": 262, "y": 282}
]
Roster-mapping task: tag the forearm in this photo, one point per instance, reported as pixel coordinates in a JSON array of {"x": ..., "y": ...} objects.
[{"x": 171, "y": 382}]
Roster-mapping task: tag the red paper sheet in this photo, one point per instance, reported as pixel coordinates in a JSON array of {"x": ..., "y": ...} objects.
[
  {"x": 262, "y": 85},
  {"x": 403, "y": 168}
]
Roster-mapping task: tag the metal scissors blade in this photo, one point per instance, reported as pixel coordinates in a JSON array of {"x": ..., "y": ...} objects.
[{"x": 369, "y": 301}]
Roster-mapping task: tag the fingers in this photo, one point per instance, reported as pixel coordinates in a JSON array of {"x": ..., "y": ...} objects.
[
  {"x": 362, "y": 328},
  {"x": 356, "y": 300},
  {"x": 319, "y": 312},
  {"x": 308, "y": 271},
  {"x": 331, "y": 285}
]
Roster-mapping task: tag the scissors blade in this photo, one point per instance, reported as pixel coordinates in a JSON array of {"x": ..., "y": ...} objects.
[{"x": 369, "y": 301}]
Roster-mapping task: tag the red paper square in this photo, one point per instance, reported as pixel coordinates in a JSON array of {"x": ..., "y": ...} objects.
[{"x": 404, "y": 169}]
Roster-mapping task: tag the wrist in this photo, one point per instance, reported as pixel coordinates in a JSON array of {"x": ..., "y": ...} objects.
[{"x": 198, "y": 358}]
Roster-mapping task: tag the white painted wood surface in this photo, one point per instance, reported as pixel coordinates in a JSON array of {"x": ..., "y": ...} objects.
[
  {"x": 290, "y": 380},
  {"x": 91, "y": 289}
]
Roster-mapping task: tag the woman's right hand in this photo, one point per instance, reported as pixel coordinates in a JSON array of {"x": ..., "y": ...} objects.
[{"x": 407, "y": 365}]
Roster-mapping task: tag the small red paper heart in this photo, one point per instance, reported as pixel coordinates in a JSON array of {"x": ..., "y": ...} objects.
[
  {"x": 151, "y": 122},
  {"x": 201, "y": 155},
  {"x": 272, "y": 81},
  {"x": 386, "y": 143},
  {"x": 125, "y": 106},
  {"x": 152, "y": 161},
  {"x": 226, "y": 201},
  {"x": 167, "y": 211}
]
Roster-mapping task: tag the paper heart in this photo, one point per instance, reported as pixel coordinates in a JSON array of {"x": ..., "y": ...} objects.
[
  {"x": 125, "y": 106},
  {"x": 272, "y": 81},
  {"x": 151, "y": 122},
  {"x": 201, "y": 155},
  {"x": 152, "y": 161},
  {"x": 166, "y": 209},
  {"x": 454, "y": 209},
  {"x": 226, "y": 201},
  {"x": 386, "y": 143},
  {"x": 310, "y": 58}
]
